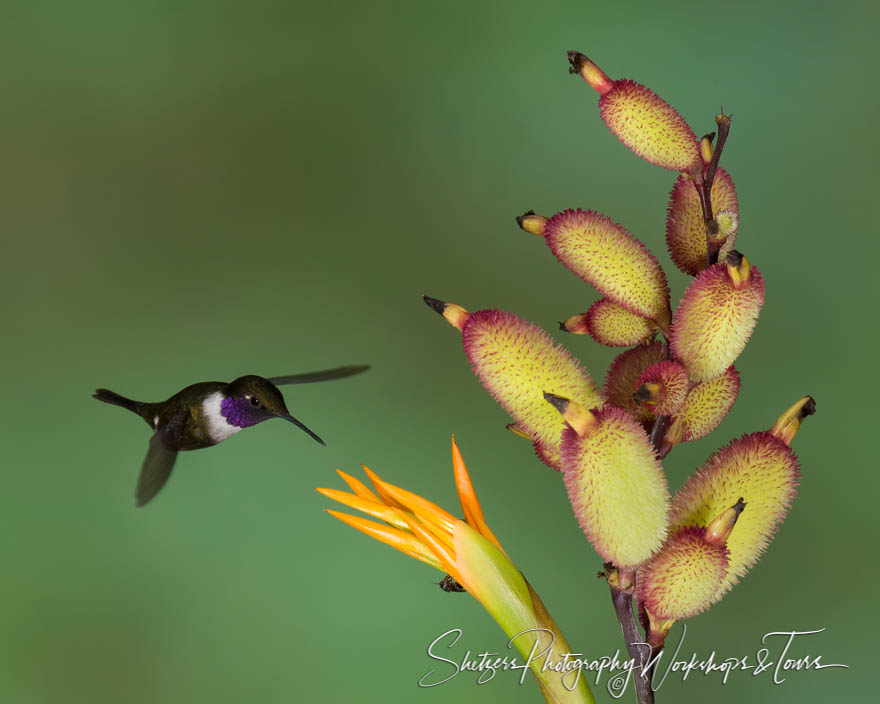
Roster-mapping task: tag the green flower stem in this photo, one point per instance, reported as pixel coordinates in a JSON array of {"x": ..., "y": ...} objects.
[{"x": 500, "y": 587}]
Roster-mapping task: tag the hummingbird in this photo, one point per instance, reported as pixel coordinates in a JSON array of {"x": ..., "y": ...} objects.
[{"x": 206, "y": 413}]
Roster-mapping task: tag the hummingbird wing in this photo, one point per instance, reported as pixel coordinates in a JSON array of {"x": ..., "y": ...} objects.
[
  {"x": 155, "y": 471},
  {"x": 325, "y": 375}
]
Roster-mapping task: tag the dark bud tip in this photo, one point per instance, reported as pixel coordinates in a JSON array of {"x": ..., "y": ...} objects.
[
  {"x": 710, "y": 136},
  {"x": 576, "y": 59},
  {"x": 642, "y": 394},
  {"x": 734, "y": 258},
  {"x": 739, "y": 506},
  {"x": 562, "y": 326},
  {"x": 435, "y": 303},
  {"x": 560, "y": 403},
  {"x": 809, "y": 408},
  {"x": 520, "y": 218}
]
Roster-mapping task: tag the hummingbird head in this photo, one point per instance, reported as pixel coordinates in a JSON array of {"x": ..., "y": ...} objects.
[{"x": 252, "y": 399}]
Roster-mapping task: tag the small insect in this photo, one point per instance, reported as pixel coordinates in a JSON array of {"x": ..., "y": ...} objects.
[
  {"x": 204, "y": 414},
  {"x": 448, "y": 584}
]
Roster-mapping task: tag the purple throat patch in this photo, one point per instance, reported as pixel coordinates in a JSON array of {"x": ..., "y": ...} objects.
[{"x": 238, "y": 412}]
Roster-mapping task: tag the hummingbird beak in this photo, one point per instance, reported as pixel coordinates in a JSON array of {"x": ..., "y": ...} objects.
[{"x": 301, "y": 426}]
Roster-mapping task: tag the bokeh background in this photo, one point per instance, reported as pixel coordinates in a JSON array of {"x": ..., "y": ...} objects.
[{"x": 199, "y": 190}]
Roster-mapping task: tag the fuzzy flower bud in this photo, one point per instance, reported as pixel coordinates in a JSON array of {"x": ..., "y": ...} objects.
[
  {"x": 621, "y": 377},
  {"x": 682, "y": 579},
  {"x": 614, "y": 326},
  {"x": 605, "y": 255},
  {"x": 662, "y": 388},
  {"x": 705, "y": 407},
  {"x": 759, "y": 468},
  {"x": 641, "y": 119},
  {"x": 685, "y": 227},
  {"x": 615, "y": 484},
  {"x": 516, "y": 361},
  {"x": 716, "y": 317}
]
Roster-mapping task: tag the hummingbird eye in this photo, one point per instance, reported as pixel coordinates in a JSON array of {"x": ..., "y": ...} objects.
[{"x": 255, "y": 401}]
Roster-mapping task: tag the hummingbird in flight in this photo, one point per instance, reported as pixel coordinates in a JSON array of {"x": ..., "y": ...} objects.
[{"x": 206, "y": 413}]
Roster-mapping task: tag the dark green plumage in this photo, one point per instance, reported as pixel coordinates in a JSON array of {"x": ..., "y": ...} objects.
[{"x": 204, "y": 414}]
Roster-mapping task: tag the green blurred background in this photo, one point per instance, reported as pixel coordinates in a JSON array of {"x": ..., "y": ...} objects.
[{"x": 199, "y": 190}]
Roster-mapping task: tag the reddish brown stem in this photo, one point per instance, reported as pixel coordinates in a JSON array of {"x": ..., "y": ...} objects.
[
  {"x": 658, "y": 432},
  {"x": 703, "y": 184},
  {"x": 636, "y": 646}
]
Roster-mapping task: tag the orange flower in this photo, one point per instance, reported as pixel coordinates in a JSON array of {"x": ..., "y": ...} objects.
[{"x": 471, "y": 554}]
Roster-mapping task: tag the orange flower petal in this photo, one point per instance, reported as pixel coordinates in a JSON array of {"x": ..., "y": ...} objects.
[
  {"x": 358, "y": 487},
  {"x": 371, "y": 508},
  {"x": 413, "y": 502},
  {"x": 445, "y": 553},
  {"x": 469, "y": 503},
  {"x": 405, "y": 542},
  {"x": 377, "y": 485}
]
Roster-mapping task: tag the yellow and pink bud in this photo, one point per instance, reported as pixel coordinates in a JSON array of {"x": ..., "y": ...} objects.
[
  {"x": 516, "y": 361},
  {"x": 662, "y": 388},
  {"x": 686, "y": 228},
  {"x": 716, "y": 317},
  {"x": 615, "y": 483},
  {"x": 683, "y": 578},
  {"x": 641, "y": 119},
  {"x": 614, "y": 326},
  {"x": 624, "y": 372},
  {"x": 761, "y": 469},
  {"x": 605, "y": 255},
  {"x": 609, "y": 324},
  {"x": 706, "y": 405}
]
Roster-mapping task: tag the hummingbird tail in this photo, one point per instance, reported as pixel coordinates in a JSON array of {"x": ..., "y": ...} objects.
[{"x": 112, "y": 397}]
